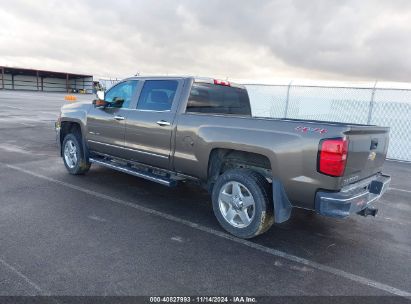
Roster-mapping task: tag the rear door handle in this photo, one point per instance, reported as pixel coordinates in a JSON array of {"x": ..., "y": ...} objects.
[
  {"x": 119, "y": 117},
  {"x": 163, "y": 123}
]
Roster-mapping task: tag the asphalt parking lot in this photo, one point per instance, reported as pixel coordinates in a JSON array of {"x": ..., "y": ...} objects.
[{"x": 107, "y": 233}]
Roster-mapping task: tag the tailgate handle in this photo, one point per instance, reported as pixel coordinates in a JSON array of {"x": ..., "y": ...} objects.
[{"x": 374, "y": 144}]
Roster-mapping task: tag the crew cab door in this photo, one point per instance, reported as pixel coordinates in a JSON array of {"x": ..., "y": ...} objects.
[
  {"x": 106, "y": 126},
  {"x": 150, "y": 125}
]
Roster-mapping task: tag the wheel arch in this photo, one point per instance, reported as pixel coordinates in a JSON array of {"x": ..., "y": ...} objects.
[
  {"x": 75, "y": 127},
  {"x": 221, "y": 160}
]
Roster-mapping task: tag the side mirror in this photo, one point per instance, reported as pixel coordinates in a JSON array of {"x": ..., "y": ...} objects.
[
  {"x": 99, "y": 103},
  {"x": 100, "y": 95}
]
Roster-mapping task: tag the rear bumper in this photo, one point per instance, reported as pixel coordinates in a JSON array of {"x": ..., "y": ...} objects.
[{"x": 353, "y": 198}]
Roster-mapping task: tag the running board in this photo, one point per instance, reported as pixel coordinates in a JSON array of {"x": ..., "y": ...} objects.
[{"x": 129, "y": 170}]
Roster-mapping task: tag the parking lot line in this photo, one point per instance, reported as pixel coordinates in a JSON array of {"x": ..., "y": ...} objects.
[
  {"x": 271, "y": 251},
  {"x": 24, "y": 277},
  {"x": 401, "y": 190},
  {"x": 16, "y": 108}
]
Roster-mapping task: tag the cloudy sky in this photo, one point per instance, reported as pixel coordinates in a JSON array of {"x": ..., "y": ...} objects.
[{"x": 243, "y": 40}]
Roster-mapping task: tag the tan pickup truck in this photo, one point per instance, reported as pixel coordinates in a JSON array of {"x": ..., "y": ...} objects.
[{"x": 174, "y": 129}]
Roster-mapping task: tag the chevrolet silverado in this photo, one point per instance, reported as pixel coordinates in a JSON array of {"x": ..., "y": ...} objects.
[{"x": 186, "y": 129}]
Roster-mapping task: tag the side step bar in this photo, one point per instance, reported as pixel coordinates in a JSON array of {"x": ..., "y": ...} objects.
[{"x": 129, "y": 170}]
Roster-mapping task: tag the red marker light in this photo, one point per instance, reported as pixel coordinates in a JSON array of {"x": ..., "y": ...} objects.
[{"x": 222, "y": 82}]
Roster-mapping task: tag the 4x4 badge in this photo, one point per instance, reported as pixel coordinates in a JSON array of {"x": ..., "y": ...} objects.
[{"x": 310, "y": 129}]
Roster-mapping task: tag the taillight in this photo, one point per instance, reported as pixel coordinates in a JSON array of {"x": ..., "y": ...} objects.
[
  {"x": 222, "y": 82},
  {"x": 332, "y": 156}
]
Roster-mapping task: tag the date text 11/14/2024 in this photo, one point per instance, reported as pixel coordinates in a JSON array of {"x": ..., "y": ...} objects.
[{"x": 203, "y": 299}]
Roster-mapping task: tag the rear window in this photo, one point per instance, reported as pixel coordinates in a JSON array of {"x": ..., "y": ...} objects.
[{"x": 218, "y": 99}]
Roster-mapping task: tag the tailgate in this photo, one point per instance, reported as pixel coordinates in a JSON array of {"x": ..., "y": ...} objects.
[{"x": 366, "y": 151}]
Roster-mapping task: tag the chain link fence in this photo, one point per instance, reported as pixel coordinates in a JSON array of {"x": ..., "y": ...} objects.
[
  {"x": 389, "y": 107},
  {"x": 376, "y": 106}
]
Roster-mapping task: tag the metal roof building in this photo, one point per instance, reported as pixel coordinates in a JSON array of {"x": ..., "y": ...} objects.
[{"x": 12, "y": 78}]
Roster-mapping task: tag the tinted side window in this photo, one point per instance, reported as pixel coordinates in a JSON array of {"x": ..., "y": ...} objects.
[
  {"x": 218, "y": 99},
  {"x": 157, "y": 95},
  {"x": 122, "y": 91}
]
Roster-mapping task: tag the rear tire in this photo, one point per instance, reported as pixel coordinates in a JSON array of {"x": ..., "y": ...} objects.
[
  {"x": 73, "y": 155},
  {"x": 242, "y": 203}
]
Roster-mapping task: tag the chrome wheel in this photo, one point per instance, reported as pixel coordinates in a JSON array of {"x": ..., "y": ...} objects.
[
  {"x": 70, "y": 154},
  {"x": 236, "y": 204}
]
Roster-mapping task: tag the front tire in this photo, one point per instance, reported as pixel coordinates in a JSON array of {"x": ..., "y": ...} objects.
[
  {"x": 242, "y": 203},
  {"x": 73, "y": 155}
]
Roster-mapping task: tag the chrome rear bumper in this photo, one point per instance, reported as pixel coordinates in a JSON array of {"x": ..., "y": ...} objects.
[{"x": 353, "y": 198}]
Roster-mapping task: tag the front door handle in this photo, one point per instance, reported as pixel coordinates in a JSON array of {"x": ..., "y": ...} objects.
[
  {"x": 119, "y": 117},
  {"x": 163, "y": 123}
]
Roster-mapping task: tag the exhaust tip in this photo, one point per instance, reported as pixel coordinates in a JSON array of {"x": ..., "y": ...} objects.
[{"x": 368, "y": 211}]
